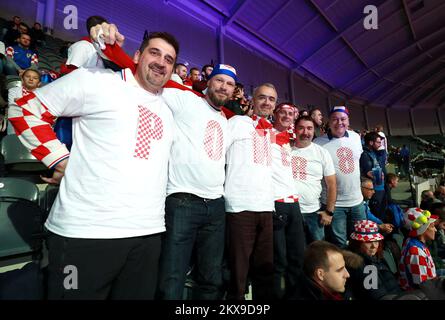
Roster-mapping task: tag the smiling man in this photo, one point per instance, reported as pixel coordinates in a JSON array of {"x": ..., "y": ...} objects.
[
  {"x": 108, "y": 216},
  {"x": 288, "y": 233},
  {"x": 345, "y": 148},
  {"x": 250, "y": 198},
  {"x": 312, "y": 165},
  {"x": 195, "y": 211}
]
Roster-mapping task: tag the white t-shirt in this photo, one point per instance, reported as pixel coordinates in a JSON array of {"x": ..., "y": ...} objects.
[
  {"x": 249, "y": 183},
  {"x": 283, "y": 183},
  {"x": 198, "y": 152},
  {"x": 84, "y": 54},
  {"x": 309, "y": 166},
  {"x": 116, "y": 178},
  {"x": 345, "y": 153}
]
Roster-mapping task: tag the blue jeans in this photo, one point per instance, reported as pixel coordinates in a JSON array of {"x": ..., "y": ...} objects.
[
  {"x": 198, "y": 224},
  {"x": 343, "y": 223},
  {"x": 314, "y": 227},
  {"x": 289, "y": 244}
]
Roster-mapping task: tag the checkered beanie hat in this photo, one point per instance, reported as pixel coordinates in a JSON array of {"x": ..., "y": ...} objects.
[
  {"x": 366, "y": 231},
  {"x": 417, "y": 221}
]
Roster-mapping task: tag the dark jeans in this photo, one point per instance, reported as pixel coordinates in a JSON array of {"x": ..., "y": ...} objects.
[
  {"x": 343, "y": 223},
  {"x": 289, "y": 244},
  {"x": 198, "y": 224},
  {"x": 250, "y": 251},
  {"x": 104, "y": 268}
]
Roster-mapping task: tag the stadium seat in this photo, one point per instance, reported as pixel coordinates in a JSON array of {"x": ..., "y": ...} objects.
[
  {"x": 21, "y": 225},
  {"x": 390, "y": 261},
  {"x": 17, "y": 157}
]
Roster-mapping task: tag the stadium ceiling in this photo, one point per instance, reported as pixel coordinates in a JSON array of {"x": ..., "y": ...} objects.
[{"x": 402, "y": 63}]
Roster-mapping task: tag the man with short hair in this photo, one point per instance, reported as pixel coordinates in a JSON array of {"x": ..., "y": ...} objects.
[
  {"x": 194, "y": 75},
  {"x": 312, "y": 165},
  {"x": 371, "y": 168},
  {"x": 195, "y": 208},
  {"x": 206, "y": 71},
  {"x": 20, "y": 57},
  {"x": 108, "y": 216},
  {"x": 317, "y": 116},
  {"x": 250, "y": 198},
  {"x": 368, "y": 191},
  {"x": 288, "y": 233},
  {"x": 84, "y": 53},
  {"x": 345, "y": 148},
  {"x": 180, "y": 73},
  {"x": 325, "y": 272}
]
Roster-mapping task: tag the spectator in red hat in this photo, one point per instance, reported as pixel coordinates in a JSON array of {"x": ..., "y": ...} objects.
[
  {"x": 367, "y": 242},
  {"x": 288, "y": 229},
  {"x": 416, "y": 264}
]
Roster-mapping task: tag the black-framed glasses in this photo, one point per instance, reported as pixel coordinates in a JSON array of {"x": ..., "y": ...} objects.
[{"x": 372, "y": 189}]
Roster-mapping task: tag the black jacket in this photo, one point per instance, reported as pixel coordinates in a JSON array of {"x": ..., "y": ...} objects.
[{"x": 387, "y": 283}]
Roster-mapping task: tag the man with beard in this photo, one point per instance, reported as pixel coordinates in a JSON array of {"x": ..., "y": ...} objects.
[
  {"x": 312, "y": 165},
  {"x": 288, "y": 231},
  {"x": 250, "y": 198},
  {"x": 345, "y": 148},
  {"x": 108, "y": 216},
  {"x": 195, "y": 212}
]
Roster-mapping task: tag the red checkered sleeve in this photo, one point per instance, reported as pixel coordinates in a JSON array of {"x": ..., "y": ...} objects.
[
  {"x": 32, "y": 123},
  {"x": 417, "y": 262},
  {"x": 10, "y": 52},
  {"x": 34, "y": 59}
]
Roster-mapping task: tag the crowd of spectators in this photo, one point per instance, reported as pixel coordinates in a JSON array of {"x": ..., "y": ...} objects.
[{"x": 332, "y": 214}]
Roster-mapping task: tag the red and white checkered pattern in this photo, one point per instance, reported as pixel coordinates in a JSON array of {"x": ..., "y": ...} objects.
[
  {"x": 25, "y": 92},
  {"x": 416, "y": 262},
  {"x": 214, "y": 140},
  {"x": 345, "y": 160},
  {"x": 261, "y": 147},
  {"x": 150, "y": 128},
  {"x": 285, "y": 156},
  {"x": 34, "y": 59},
  {"x": 299, "y": 168},
  {"x": 290, "y": 199},
  {"x": 417, "y": 221},
  {"x": 32, "y": 123},
  {"x": 10, "y": 52},
  {"x": 366, "y": 230}
]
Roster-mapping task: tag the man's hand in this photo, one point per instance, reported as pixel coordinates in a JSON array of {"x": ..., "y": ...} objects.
[
  {"x": 108, "y": 33},
  {"x": 325, "y": 219},
  {"x": 59, "y": 172},
  {"x": 386, "y": 227}
]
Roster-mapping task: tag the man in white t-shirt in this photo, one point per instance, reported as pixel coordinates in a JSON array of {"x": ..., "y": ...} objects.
[
  {"x": 84, "y": 53},
  {"x": 195, "y": 209},
  {"x": 345, "y": 148},
  {"x": 288, "y": 230},
  {"x": 312, "y": 165},
  {"x": 107, "y": 219},
  {"x": 250, "y": 198}
]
